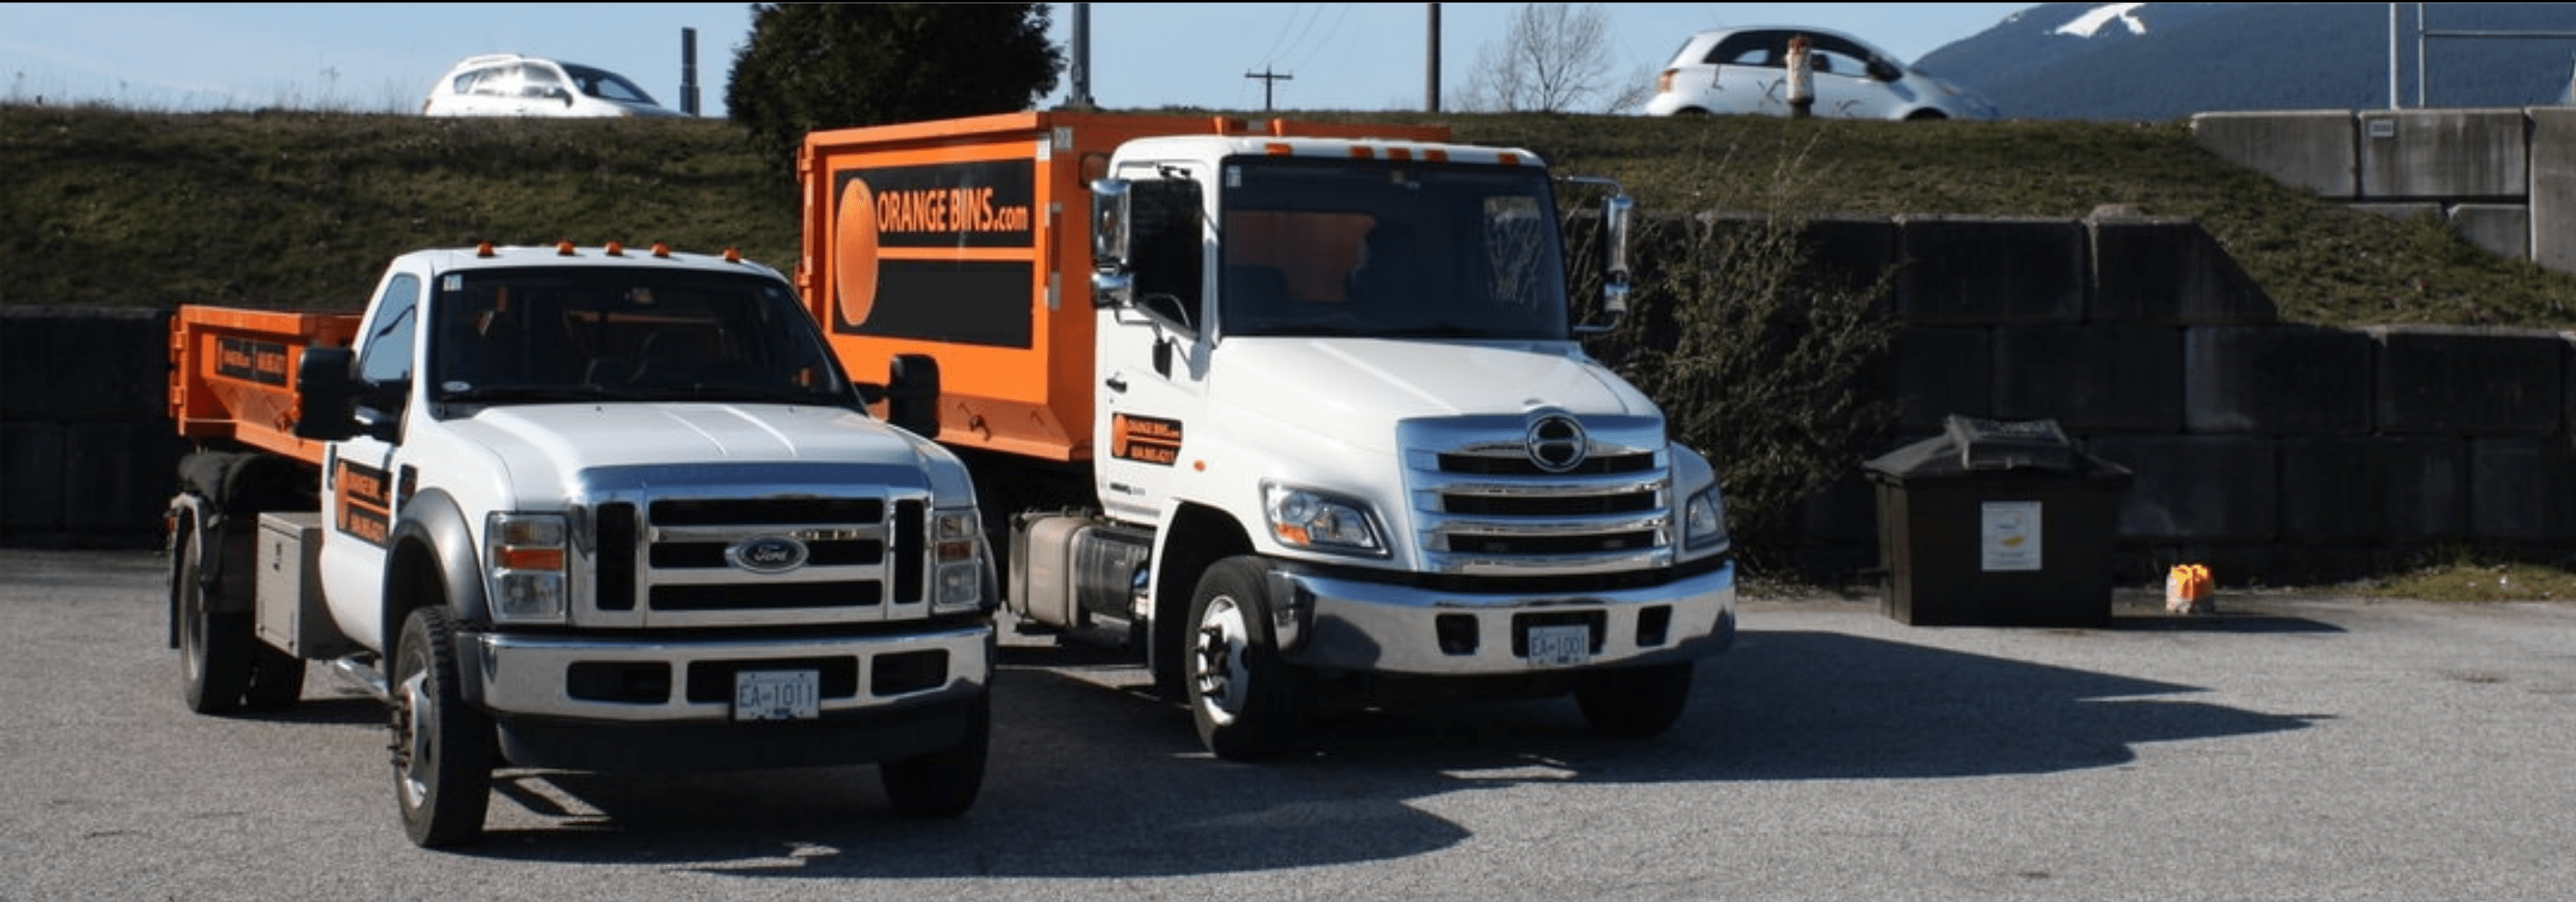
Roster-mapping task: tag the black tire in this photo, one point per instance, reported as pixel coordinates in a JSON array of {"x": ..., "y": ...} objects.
[
  {"x": 1248, "y": 703},
  {"x": 217, "y": 653},
  {"x": 1634, "y": 702},
  {"x": 442, "y": 747},
  {"x": 942, "y": 784}
]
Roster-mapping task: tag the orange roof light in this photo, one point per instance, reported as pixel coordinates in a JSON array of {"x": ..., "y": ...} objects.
[
  {"x": 563, "y": 248},
  {"x": 483, "y": 249},
  {"x": 616, "y": 249},
  {"x": 661, "y": 250}
]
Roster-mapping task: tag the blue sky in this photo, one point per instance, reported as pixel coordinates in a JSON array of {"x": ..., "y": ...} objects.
[{"x": 381, "y": 57}]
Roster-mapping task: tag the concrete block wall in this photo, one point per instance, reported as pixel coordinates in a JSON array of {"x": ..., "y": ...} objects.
[
  {"x": 2504, "y": 178},
  {"x": 87, "y": 450},
  {"x": 2276, "y": 453}
]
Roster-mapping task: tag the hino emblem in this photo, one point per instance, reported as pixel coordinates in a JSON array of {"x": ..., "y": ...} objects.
[
  {"x": 767, "y": 554},
  {"x": 1556, "y": 443}
]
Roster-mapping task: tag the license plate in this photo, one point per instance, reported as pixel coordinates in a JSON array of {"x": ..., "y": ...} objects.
[
  {"x": 1560, "y": 646},
  {"x": 777, "y": 695}
]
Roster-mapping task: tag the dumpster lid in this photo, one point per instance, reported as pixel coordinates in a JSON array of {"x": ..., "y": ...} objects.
[{"x": 1971, "y": 445}]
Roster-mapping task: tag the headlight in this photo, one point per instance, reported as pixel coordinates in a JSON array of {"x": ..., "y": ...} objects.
[
  {"x": 1704, "y": 520},
  {"x": 1312, "y": 520},
  {"x": 957, "y": 553},
  {"x": 524, "y": 558}
]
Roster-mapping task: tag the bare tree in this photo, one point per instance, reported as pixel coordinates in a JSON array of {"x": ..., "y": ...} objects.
[{"x": 1554, "y": 58}]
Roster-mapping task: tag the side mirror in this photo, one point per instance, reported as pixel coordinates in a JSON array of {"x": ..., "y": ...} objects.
[
  {"x": 912, "y": 394},
  {"x": 326, "y": 395},
  {"x": 1112, "y": 228}
]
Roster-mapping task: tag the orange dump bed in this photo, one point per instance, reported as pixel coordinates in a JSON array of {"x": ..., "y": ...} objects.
[
  {"x": 969, "y": 241},
  {"x": 232, "y": 373}
]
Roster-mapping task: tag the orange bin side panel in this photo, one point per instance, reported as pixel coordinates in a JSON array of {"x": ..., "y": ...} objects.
[
  {"x": 232, "y": 373},
  {"x": 969, "y": 241}
]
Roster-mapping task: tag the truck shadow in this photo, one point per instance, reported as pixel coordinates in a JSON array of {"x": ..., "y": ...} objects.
[{"x": 1092, "y": 777}]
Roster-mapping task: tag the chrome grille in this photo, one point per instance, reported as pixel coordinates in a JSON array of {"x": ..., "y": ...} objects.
[{"x": 1485, "y": 504}]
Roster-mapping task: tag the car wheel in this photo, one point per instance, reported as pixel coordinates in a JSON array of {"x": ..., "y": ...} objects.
[
  {"x": 442, "y": 746},
  {"x": 1245, "y": 700},
  {"x": 216, "y": 651}
]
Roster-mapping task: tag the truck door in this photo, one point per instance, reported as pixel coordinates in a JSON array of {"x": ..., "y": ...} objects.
[
  {"x": 1152, "y": 355},
  {"x": 362, "y": 481}
]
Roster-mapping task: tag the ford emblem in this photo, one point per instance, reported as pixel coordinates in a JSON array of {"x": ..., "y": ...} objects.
[
  {"x": 767, "y": 554},
  {"x": 1556, "y": 443}
]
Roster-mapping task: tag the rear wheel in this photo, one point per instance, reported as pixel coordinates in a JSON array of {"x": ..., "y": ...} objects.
[
  {"x": 442, "y": 747},
  {"x": 1634, "y": 701},
  {"x": 217, "y": 653},
  {"x": 1246, "y": 701},
  {"x": 944, "y": 783}
]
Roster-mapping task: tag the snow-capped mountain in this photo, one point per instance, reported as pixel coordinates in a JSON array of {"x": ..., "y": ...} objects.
[{"x": 2162, "y": 61}]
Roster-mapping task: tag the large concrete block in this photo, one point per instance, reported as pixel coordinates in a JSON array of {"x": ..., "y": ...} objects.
[
  {"x": 2169, "y": 271},
  {"x": 2552, "y": 197},
  {"x": 2522, "y": 491},
  {"x": 120, "y": 478},
  {"x": 2500, "y": 229},
  {"x": 2277, "y": 380},
  {"x": 31, "y": 477},
  {"x": 84, "y": 364},
  {"x": 2456, "y": 154},
  {"x": 2303, "y": 149},
  {"x": 2196, "y": 489},
  {"x": 1964, "y": 270},
  {"x": 1936, "y": 371},
  {"x": 2091, "y": 378},
  {"x": 2443, "y": 379},
  {"x": 1851, "y": 253},
  {"x": 2363, "y": 490}
]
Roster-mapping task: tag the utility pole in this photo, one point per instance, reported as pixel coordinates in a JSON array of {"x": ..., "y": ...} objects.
[
  {"x": 1269, "y": 81},
  {"x": 1080, "y": 96},
  {"x": 1431, "y": 55}
]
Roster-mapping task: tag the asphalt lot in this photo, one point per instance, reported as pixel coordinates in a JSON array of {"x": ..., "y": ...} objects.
[{"x": 2286, "y": 748}]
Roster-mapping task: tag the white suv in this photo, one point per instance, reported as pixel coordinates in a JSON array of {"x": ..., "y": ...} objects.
[
  {"x": 1744, "y": 71},
  {"x": 508, "y": 84}
]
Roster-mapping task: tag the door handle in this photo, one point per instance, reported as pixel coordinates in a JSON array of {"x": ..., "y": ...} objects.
[{"x": 1118, "y": 384}]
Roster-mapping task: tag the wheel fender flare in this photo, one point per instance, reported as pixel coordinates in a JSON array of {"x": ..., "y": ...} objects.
[{"x": 434, "y": 531}]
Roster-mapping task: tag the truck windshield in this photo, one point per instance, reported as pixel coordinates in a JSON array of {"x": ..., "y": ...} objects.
[
  {"x": 1389, "y": 248},
  {"x": 587, "y": 333}
]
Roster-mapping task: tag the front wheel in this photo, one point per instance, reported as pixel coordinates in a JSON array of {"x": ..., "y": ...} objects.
[
  {"x": 1246, "y": 701},
  {"x": 1634, "y": 702},
  {"x": 442, "y": 747},
  {"x": 944, "y": 783}
]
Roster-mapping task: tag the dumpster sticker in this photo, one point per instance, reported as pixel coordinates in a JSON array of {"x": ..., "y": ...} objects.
[{"x": 2011, "y": 531}]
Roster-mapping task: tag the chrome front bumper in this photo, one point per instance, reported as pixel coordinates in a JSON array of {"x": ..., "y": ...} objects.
[
  {"x": 537, "y": 676},
  {"x": 1339, "y": 623}
]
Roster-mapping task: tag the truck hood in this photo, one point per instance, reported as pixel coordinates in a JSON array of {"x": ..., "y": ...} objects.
[
  {"x": 568, "y": 438},
  {"x": 1353, "y": 388}
]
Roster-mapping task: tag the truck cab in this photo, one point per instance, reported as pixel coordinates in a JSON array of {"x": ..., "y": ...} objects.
[
  {"x": 1295, "y": 412},
  {"x": 579, "y": 508}
]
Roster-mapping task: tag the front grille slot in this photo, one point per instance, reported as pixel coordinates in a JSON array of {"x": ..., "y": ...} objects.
[
  {"x": 1547, "y": 505},
  {"x": 766, "y": 511},
  {"x": 711, "y": 555},
  {"x": 909, "y": 549},
  {"x": 1594, "y": 543},
  {"x": 617, "y": 541},
  {"x": 1518, "y": 464},
  {"x": 766, "y": 596}
]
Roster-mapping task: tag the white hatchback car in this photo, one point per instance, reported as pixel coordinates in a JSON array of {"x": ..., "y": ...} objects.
[
  {"x": 1745, "y": 71},
  {"x": 508, "y": 84}
]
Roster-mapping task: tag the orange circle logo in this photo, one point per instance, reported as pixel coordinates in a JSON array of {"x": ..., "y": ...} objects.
[{"x": 854, "y": 255}]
